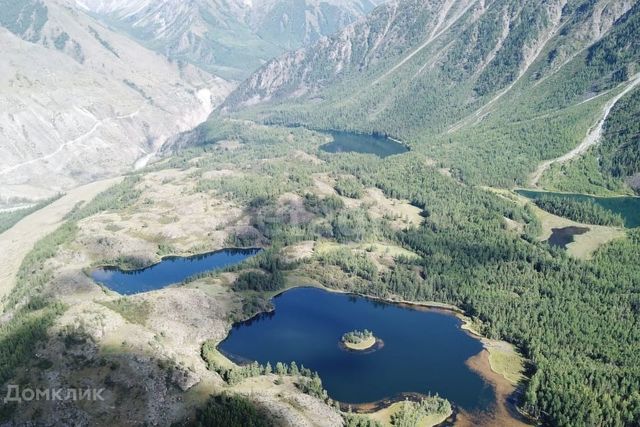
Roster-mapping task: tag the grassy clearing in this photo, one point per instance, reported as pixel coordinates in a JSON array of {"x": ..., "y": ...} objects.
[
  {"x": 506, "y": 361},
  {"x": 293, "y": 279},
  {"x": 383, "y": 416},
  {"x": 584, "y": 245},
  {"x": 390, "y": 250},
  {"x": 131, "y": 310},
  {"x": 10, "y": 218},
  {"x": 323, "y": 247}
]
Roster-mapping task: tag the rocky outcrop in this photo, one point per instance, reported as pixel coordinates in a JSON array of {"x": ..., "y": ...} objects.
[
  {"x": 228, "y": 38},
  {"x": 482, "y": 46}
]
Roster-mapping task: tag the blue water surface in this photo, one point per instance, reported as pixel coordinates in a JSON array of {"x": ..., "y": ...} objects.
[
  {"x": 424, "y": 350},
  {"x": 628, "y": 207},
  {"x": 345, "y": 142},
  {"x": 168, "y": 271}
]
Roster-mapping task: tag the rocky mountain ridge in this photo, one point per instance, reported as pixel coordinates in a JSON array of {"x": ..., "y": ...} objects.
[
  {"x": 230, "y": 38},
  {"x": 471, "y": 83},
  {"x": 82, "y": 102},
  {"x": 92, "y": 88}
]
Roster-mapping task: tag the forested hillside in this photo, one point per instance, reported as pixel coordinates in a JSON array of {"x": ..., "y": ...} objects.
[
  {"x": 620, "y": 149},
  {"x": 573, "y": 319},
  {"x": 614, "y": 164},
  {"x": 489, "y": 89}
]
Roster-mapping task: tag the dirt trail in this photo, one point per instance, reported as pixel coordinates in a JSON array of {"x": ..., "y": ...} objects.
[
  {"x": 98, "y": 124},
  {"x": 592, "y": 138},
  {"x": 17, "y": 241}
]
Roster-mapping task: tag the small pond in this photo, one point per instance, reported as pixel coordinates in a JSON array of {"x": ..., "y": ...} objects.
[
  {"x": 627, "y": 206},
  {"x": 168, "y": 271},
  {"x": 561, "y": 237},
  {"x": 344, "y": 142},
  {"x": 424, "y": 350}
]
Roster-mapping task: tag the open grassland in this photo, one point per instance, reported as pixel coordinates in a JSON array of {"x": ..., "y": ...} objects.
[
  {"x": 584, "y": 245},
  {"x": 383, "y": 416},
  {"x": 20, "y": 238}
]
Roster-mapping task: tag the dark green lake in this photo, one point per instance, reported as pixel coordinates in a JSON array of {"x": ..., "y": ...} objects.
[
  {"x": 627, "y": 206},
  {"x": 168, "y": 271},
  {"x": 424, "y": 350},
  {"x": 347, "y": 142}
]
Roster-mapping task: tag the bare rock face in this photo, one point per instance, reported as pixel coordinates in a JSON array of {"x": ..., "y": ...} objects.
[
  {"x": 228, "y": 38},
  {"x": 79, "y": 101},
  {"x": 634, "y": 182},
  {"x": 483, "y": 46}
]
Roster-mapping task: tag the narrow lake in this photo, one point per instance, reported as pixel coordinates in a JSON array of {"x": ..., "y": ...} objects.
[
  {"x": 424, "y": 350},
  {"x": 168, "y": 271},
  {"x": 345, "y": 142},
  {"x": 627, "y": 206}
]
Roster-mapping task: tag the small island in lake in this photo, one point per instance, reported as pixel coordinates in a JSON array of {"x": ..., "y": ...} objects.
[{"x": 359, "y": 340}]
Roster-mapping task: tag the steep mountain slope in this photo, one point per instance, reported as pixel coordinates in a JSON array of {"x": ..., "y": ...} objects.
[
  {"x": 489, "y": 88},
  {"x": 80, "y": 101},
  {"x": 228, "y": 37},
  {"x": 613, "y": 165}
]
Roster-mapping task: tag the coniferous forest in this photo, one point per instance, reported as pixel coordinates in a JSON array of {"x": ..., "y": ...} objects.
[
  {"x": 148, "y": 138},
  {"x": 574, "y": 320}
]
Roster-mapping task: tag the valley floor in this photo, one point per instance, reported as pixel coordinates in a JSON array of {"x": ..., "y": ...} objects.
[
  {"x": 16, "y": 242},
  {"x": 342, "y": 222}
]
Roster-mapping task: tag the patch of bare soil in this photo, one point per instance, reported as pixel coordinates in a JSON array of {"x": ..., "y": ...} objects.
[{"x": 299, "y": 251}]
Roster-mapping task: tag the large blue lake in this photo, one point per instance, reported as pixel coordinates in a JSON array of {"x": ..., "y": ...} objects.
[
  {"x": 169, "y": 271},
  {"x": 424, "y": 350}
]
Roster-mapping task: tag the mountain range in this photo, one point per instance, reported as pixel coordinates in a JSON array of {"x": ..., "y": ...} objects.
[
  {"x": 487, "y": 88},
  {"x": 230, "y": 38},
  {"x": 90, "y": 89}
]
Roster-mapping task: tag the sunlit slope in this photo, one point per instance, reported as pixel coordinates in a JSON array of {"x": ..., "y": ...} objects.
[
  {"x": 229, "y": 38},
  {"x": 488, "y": 88},
  {"x": 79, "y": 102}
]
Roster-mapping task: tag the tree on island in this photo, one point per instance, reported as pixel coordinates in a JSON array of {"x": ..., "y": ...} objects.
[
  {"x": 410, "y": 413},
  {"x": 357, "y": 336}
]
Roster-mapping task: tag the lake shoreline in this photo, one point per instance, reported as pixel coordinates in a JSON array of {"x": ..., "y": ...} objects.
[
  {"x": 170, "y": 271},
  {"x": 168, "y": 257},
  {"x": 376, "y": 345},
  {"x": 506, "y": 405},
  {"x": 572, "y": 193}
]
